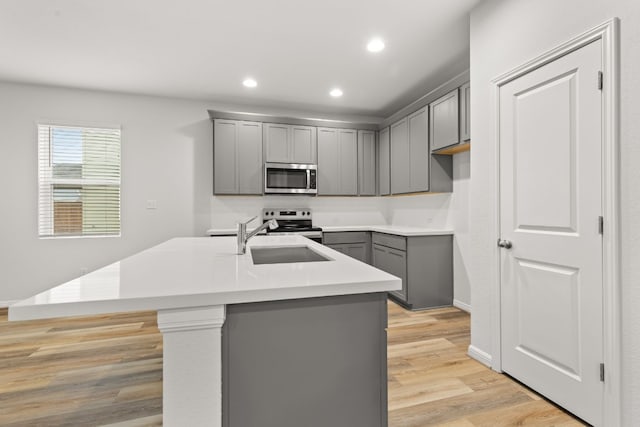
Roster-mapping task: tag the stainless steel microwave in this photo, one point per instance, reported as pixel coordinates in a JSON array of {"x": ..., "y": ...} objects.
[{"x": 290, "y": 178}]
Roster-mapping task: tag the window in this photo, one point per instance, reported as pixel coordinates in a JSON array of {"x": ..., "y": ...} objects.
[{"x": 79, "y": 181}]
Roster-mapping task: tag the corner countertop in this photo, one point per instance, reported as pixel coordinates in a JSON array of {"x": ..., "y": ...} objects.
[
  {"x": 389, "y": 229},
  {"x": 200, "y": 271}
]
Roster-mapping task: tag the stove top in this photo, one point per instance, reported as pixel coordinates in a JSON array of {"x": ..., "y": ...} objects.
[{"x": 290, "y": 220}]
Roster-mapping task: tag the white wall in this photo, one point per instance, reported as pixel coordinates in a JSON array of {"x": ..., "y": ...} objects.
[
  {"x": 226, "y": 211},
  {"x": 505, "y": 34},
  {"x": 166, "y": 156},
  {"x": 460, "y": 220}
]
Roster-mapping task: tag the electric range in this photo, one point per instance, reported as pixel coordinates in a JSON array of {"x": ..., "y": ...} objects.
[{"x": 292, "y": 221}]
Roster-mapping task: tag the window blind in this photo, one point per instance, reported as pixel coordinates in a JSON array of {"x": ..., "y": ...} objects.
[{"x": 79, "y": 181}]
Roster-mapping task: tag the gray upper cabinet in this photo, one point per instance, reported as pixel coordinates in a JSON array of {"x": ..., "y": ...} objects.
[
  {"x": 465, "y": 114},
  {"x": 419, "y": 151},
  {"x": 410, "y": 154},
  {"x": 366, "y": 163},
  {"x": 384, "y": 176},
  {"x": 290, "y": 143},
  {"x": 237, "y": 152},
  {"x": 400, "y": 174},
  {"x": 445, "y": 127},
  {"x": 304, "y": 145},
  {"x": 337, "y": 162}
]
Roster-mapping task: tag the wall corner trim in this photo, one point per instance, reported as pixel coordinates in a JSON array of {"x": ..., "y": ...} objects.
[
  {"x": 462, "y": 305},
  {"x": 479, "y": 355}
]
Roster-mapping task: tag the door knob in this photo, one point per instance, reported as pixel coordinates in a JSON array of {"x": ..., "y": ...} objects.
[{"x": 504, "y": 244}]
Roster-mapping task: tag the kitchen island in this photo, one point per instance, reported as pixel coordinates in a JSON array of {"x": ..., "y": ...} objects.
[{"x": 295, "y": 335}]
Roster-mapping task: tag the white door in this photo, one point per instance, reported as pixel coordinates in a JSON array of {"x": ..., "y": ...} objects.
[{"x": 550, "y": 204}]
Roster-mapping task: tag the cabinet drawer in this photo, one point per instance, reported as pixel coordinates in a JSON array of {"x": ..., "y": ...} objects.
[
  {"x": 391, "y": 241},
  {"x": 344, "y": 237}
]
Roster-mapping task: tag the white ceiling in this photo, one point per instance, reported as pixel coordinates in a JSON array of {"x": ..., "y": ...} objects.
[{"x": 297, "y": 50}]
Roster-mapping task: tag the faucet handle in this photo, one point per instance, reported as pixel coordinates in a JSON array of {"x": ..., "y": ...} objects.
[{"x": 248, "y": 221}]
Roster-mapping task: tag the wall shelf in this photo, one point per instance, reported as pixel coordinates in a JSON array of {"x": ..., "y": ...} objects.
[{"x": 450, "y": 151}]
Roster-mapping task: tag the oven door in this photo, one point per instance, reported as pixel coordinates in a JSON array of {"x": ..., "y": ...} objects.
[{"x": 286, "y": 178}]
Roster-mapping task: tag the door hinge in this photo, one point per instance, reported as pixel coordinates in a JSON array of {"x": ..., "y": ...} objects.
[
  {"x": 600, "y": 225},
  {"x": 600, "y": 80},
  {"x": 602, "y": 372}
]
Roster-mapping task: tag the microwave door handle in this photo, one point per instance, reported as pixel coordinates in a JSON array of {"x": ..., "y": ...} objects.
[{"x": 308, "y": 179}]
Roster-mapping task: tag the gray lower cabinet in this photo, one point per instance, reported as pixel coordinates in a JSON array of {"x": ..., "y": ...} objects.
[
  {"x": 384, "y": 163},
  {"x": 424, "y": 263},
  {"x": 313, "y": 362},
  {"x": 394, "y": 262},
  {"x": 445, "y": 125},
  {"x": 337, "y": 162},
  {"x": 290, "y": 143},
  {"x": 237, "y": 157},
  {"x": 356, "y": 244},
  {"x": 366, "y": 163}
]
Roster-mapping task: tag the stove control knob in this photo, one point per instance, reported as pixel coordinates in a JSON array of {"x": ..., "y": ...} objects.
[
  {"x": 308, "y": 213},
  {"x": 271, "y": 213},
  {"x": 303, "y": 213}
]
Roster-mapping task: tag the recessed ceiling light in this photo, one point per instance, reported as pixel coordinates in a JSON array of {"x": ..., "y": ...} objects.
[
  {"x": 336, "y": 93},
  {"x": 250, "y": 83},
  {"x": 375, "y": 45}
]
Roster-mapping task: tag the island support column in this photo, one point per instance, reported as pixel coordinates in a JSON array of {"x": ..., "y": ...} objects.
[{"x": 192, "y": 365}]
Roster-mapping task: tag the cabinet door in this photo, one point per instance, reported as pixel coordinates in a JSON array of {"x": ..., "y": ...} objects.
[
  {"x": 366, "y": 163},
  {"x": 384, "y": 165},
  {"x": 419, "y": 151},
  {"x": 328, "y": 166},
  {"x": 400, "y": 173},
  {"x": 225, "y": 179},
  {"x": 397, "y": 263},
  {"x": 444, "y": 121},
  {"x": 348, "y": 162},
  {"x": 465, "y": 114},
  {"x": 341, "y": 247},
  {"x": 393, "y": 262},
  {"x": 276, "y": 143},
  {"x": 357, "y": 251},
  {"x": 304, "y": 145},
  {"x": 249, "y": 152}
]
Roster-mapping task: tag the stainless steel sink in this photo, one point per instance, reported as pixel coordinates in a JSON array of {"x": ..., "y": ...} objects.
[{"x": 285, "y": 255}]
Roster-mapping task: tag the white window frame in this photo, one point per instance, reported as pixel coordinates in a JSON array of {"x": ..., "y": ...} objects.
[{"x": 46, "y": 183}]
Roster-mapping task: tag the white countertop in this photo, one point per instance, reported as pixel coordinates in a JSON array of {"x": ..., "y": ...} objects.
[
  {"x": 389, "y": 229},
  {"x": 201, "y": 271}
]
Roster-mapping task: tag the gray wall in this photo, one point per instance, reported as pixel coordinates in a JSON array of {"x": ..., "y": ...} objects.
[{"x": 505, "y": 34}]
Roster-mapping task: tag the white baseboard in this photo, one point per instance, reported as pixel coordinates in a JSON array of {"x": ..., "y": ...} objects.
[
  {"x": 479, "y": 355},
  {"x": 462, "y": 305},
  {"x": 5, "y": 304}
]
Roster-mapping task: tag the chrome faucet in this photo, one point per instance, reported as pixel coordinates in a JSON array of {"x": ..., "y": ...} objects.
[{"x": 243, "y": 237}]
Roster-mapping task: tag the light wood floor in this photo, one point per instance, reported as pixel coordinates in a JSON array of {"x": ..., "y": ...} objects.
[{"x": 107, "y": 370}]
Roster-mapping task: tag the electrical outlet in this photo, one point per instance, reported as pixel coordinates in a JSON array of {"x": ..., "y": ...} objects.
[{"x": 152, "y": 204}]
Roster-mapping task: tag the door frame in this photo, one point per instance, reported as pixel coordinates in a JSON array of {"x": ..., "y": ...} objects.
[{"x": 609, "y": 33}]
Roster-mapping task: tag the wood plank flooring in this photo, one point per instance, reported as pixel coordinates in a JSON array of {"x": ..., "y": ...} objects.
[
  {"x": 432, "y": 381},
  {"x": 107, "y": 371}
]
